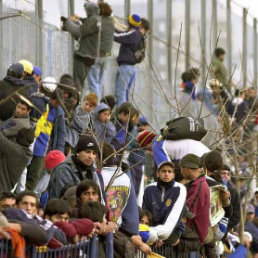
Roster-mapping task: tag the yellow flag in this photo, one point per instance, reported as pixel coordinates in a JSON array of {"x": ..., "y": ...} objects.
[{"x": 155, "y": 255}]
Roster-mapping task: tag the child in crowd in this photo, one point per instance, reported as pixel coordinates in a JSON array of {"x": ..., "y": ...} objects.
[
  {"x": 82, "y": 120},
  {"x": 103, "y": 128},
  {"x": 145, "y": 220}
]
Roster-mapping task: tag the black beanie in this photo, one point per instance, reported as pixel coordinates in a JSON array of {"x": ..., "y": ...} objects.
[{"x": 87, "y": 142}]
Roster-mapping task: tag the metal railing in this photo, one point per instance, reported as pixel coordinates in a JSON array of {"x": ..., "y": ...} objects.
[{"x": 87, "y": 248}]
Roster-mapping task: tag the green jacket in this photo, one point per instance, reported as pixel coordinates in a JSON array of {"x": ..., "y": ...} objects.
[
  {"x": 13, "y": 160},
  {"x": 219, "y": 72},
  {"x": 90, "y": 40}
]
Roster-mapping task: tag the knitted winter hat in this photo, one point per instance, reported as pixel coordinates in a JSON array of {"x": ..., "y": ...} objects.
[
  {"x": 134, "y": 20},
  {"x": 54, "y": 158},
  {"x": 83, "y": 226},
  {"x": 67, "y": 228},
  {"x": 145, "y": 138},
  {"x": 87, "y": 142}
]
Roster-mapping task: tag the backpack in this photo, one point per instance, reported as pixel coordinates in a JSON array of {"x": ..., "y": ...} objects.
[
  {"x": 140, "y": 53},
  {"x": 184, "y": 128}
]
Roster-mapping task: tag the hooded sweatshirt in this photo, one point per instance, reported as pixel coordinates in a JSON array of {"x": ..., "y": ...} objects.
[
  {"x": 104, "y": 131},
  {"x": 89, "y": 34},
  {"x": 81, "y": 121}
]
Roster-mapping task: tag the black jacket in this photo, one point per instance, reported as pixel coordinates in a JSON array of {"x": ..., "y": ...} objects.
[
  {"x": 130, "y": 42},
  {"x": 234, "y": 219},
  {"x": 7, "y": 86}
]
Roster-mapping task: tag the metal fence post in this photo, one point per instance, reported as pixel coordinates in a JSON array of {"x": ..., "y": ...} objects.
[
  {"x": 150, "y": 38},
  {"x": 244, "y": 50},
  {"x": 187, "y": 33},
  {"x": 127, "y": 8},
  {"x": 39, "y": 32},
  {"x": 150, "y": 53},
  {"x": 215, "y": 24},
  {"x": 94, "y": 244},
  {"x": 1, "y": 34},
  {"x": 203, "y": 40},
  {"x": 255, "y": 52},
  {"x": 71, "y": 12},
  {"x": 169, "y": 40},
  {"x": 229, "y": 38}
]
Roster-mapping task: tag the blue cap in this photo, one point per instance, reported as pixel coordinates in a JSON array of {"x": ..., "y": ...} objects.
[
  {"x": 17, "y": 68},
  {"x": 37, "y": 71},
  {"x": 143, "y": 121}
]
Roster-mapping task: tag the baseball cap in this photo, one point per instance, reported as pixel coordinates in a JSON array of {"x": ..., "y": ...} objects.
[
  {"x": 190, "y": 161},
  {"x": 16, "y": 68},
  {"x": 166, "y": 163},
  {"x": 37, "y": 70},
  {"x": 49, "y": 84},
  {"x": 250, "y": 209},
  {"x": 27, "y": 65}
]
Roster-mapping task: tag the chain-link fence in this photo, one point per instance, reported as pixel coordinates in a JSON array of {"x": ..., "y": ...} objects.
[{"x": 183, "y": 35}]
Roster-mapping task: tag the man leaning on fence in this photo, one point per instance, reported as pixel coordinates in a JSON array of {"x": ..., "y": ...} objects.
[{"x": 95, "y": 35}]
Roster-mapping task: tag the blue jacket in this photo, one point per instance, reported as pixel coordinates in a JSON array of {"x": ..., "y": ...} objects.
[
  {"x": 166, "y": 204},
  {"x": 30, "y": 80},
  {"x": 66, "y": 174},
  {"x": 57, "y": 138},
  {"x": 130, "y": 42}
]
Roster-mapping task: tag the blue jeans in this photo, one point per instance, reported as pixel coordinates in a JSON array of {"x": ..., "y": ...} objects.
[
  {"x": 96, "y": 77},
  {"x": 125, "y": 77}
]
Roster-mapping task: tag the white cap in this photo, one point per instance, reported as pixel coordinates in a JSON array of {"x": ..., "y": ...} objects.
[
  {"x": 249, "y": 236},
  {"x": 49, "y": 84}
]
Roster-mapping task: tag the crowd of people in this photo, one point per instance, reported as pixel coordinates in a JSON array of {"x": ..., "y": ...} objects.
[{"x": 73, "y": 165}]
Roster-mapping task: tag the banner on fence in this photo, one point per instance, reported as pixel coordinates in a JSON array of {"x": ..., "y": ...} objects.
[{"x": 216, "y": 209}]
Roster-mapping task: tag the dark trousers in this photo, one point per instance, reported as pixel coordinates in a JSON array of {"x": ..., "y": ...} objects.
[
  {"x": 80, "y": 72},
  {"x": 33, "y": 172},
  {"x": 210, "y": 249},
  {"x": 189, "y": 241}
]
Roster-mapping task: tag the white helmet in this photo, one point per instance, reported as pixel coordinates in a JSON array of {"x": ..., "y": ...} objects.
[{"x": 49, "y": 84}]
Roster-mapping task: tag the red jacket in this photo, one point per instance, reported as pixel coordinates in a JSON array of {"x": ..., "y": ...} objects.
[{"x": 201, "y": 207}]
